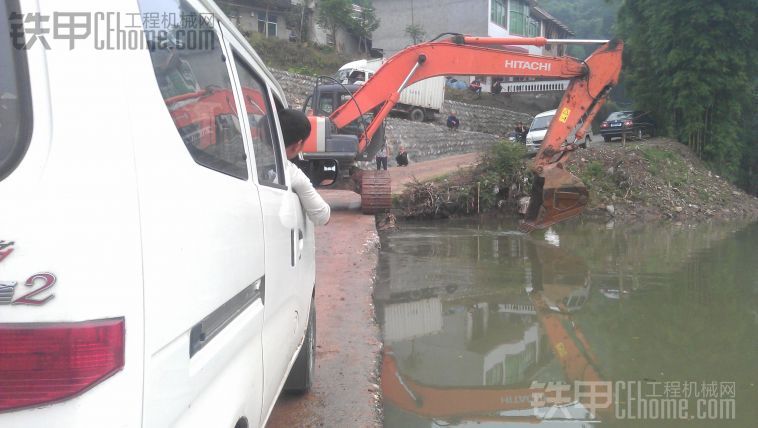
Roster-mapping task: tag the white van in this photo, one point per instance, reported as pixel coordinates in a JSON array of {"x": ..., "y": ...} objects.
[
  {"x": 538, "y": 129},
  {"x": 156, "y": 269}
]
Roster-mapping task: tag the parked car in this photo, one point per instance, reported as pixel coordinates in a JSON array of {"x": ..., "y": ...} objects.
[
  {"x": 538, "y": 129},
  {"x": 635, "y": 123},
  {"x": 156, "y": 268}
]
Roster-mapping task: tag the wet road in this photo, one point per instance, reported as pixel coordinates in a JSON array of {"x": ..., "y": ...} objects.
[
  {"x": 344, "y": 391},
  {"x": 479, "y": 320}
]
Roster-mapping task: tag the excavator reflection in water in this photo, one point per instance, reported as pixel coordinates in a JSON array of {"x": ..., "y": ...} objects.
[{"x": 498, "y": 340}]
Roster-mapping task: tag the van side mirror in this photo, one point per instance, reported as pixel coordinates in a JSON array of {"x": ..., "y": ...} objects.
[{"x": 323, "y": 172}]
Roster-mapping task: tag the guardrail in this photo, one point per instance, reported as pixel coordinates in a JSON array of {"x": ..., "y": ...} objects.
[
  {"x": 535, "y": 86},
  {"x": 516, "y": 308}
]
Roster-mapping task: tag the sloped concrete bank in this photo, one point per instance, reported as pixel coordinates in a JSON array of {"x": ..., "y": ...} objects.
[{"x": 425, "y": 141}]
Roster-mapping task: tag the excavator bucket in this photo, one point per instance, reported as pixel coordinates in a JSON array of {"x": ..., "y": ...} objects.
[{"x": 556, "y": 195}]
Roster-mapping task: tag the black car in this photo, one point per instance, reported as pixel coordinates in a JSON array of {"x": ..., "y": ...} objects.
[{"x": 637, "y": 124}]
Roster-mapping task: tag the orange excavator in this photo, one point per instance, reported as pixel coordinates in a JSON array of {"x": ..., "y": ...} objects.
[{"x": 556, "y": 193}]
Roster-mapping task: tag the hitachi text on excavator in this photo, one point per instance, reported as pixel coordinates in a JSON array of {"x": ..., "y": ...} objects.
[{"x": 556, "y": 193}]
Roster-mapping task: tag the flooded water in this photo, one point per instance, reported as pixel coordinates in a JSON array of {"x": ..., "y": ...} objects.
[{"x": 643, "y": 325}]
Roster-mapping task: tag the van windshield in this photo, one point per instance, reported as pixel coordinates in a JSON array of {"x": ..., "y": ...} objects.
[
  {"x": 13, "y": 117},
  {"x": 541, "y": 123}
]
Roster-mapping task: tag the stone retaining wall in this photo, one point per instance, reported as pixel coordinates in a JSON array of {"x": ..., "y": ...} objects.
[
  {"x": 297, "y": 87},
  {"x": 426, "y": 141},
  {"x": 490, "y": 120}
]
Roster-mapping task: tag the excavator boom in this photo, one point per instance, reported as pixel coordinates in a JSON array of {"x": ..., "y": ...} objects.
[{"x": 557, "y": 194}]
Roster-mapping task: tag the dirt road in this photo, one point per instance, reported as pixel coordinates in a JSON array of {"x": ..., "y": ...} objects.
[
  {"x": 344, "y": 391},
  {"x": 430, "y": 169}
]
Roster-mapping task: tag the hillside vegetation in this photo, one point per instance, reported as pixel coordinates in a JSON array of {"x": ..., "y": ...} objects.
[{"x": 301, "y": 58}]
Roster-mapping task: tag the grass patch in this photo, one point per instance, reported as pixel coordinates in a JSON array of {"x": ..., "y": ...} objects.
[
  {"x": 594, "y": 170},
  {"x": 667, "y": 165},
  {"x": 601, "y": 184}
]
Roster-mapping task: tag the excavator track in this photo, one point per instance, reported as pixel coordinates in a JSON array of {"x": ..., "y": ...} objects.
[{"x": 376, "y": 192}]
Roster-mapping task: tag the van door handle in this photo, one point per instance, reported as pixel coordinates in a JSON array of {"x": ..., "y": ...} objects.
[
  {"x": 300, "y": 244},
  {"x": 292, "y": 247}
]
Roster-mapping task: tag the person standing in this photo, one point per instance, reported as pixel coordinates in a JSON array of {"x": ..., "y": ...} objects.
[
  {"x": 476, "y": 87},
  {"x": 522, "y": 130},
  {"x": 381, "y": 157}
]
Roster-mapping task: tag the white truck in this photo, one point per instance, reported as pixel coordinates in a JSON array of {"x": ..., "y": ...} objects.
[{"x": 420, "y": 101}]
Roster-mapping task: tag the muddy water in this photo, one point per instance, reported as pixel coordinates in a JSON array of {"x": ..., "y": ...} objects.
[{"x": 644, "y": 325}]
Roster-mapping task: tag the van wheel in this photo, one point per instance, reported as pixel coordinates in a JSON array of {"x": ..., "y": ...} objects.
[
  {"x": 606, "y": 138},
  {"x": 304, "y": 369},
  {"x": 416, "y": 115}
]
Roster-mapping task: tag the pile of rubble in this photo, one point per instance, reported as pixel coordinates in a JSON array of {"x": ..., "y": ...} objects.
[{"x": 657, "y": 178}]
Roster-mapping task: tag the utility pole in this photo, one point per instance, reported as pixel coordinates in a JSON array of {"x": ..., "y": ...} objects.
[{"x": 412, "y": 21}]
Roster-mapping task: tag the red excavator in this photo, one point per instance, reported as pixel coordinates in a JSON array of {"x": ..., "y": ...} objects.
[{"x": 556, "y": 193}]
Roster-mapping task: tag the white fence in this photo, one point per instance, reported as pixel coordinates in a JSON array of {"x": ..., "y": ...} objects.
[
  {"x": 535, "y": 86},
  {"x": 515, "y": 308}
]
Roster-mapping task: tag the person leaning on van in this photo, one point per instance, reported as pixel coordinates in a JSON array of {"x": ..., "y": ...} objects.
[{"x": 295, "y": 129}]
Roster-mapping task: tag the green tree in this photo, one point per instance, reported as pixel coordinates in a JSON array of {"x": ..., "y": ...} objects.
[
  {"x": 416, "y": 32},
  {"x": 335, "y": 14},
  {"x": 297, "y": 17},
  {"x": 693, "y": 64},
  {"x": 364, "y": 23},
  {"x": 589, "y": 19}
]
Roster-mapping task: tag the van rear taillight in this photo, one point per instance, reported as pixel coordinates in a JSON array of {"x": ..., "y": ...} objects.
[{"x": 44, "y": 363}]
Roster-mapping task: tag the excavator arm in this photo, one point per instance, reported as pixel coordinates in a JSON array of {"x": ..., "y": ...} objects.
[{"x": 557, "y": 194}]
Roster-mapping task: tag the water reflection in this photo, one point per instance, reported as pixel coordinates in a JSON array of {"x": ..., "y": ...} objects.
[{"x": 478, "y": 319}]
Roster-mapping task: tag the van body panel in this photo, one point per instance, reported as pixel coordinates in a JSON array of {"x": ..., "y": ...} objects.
[
  {"x": 109, "y": 200},
  {"x": 70, "y": 209}
]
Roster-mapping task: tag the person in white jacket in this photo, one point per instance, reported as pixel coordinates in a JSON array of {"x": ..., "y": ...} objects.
[{"x": 295, "y": 130}]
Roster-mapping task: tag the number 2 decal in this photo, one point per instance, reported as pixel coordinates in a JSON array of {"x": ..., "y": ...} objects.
[{"x": 47, "y": 280}]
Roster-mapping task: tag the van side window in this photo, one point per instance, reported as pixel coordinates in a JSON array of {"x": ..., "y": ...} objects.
[
  {"x": 191, "y": 71},
  {"x": 263, "y": 135}
]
